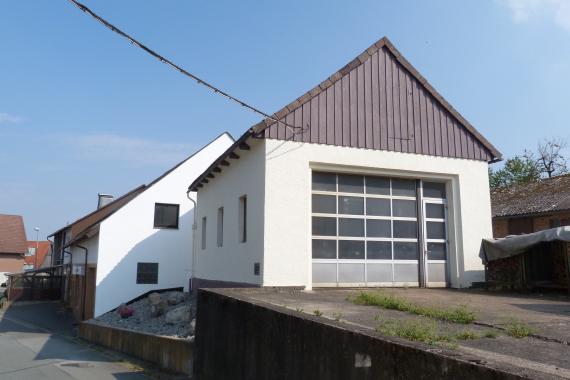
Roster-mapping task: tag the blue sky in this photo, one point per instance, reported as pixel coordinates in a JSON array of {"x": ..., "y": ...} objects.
[{"x": 82, "y": 111}]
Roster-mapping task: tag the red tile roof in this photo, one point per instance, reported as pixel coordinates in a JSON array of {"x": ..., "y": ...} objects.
[
  {"x": 12, "y": 234},
  {"x": 44, "y": 248}
]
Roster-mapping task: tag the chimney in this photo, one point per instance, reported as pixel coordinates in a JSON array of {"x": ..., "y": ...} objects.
[{"x": 104, "y": 199}]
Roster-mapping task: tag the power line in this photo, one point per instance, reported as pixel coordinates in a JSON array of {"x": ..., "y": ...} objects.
[{"x": 178, "y": 68}]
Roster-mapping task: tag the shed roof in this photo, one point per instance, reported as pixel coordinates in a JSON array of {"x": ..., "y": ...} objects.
[
  {"x": 366, "y": 126},
  {"x": 12, "y": 234},
  {"x": 545, "y": 195}
]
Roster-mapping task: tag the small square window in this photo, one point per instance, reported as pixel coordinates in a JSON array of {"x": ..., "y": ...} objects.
[
  {"x": 166, "y": 215},
  {"x": 147, "y": 273}
]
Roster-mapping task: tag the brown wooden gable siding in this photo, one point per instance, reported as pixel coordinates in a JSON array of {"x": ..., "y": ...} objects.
[{"x": 379, "y": 104}]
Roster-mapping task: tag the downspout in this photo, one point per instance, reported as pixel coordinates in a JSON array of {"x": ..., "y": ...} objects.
[
  {"x": 51, "y": 243},
  {"x": 68, "y": 282},
  {"x": 84, "y": 281},
  {"x": 194, "y": 227}
]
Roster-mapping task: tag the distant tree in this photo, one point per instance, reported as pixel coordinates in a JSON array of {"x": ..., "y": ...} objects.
[
  {"x": 519, "y": 169},
  {"x": 550, "y": 159}
]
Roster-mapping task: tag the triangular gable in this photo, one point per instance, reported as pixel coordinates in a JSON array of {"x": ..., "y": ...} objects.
[{"x": 379, "y": 101}]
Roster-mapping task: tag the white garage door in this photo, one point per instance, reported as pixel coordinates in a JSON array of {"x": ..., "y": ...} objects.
[{"x": 366, "y": 231}]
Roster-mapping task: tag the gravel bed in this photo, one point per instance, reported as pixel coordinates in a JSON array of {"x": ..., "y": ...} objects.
[{"x": 142, "y": 321}]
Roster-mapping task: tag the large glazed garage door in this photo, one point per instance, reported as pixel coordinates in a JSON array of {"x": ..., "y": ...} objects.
[{"x": 364, "y": 231}]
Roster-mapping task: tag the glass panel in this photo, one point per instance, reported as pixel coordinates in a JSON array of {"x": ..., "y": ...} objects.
[
  {"x": 405, "y": 229},
  {"x": 350, "y": 227},
  {"x": 324, "y": 181},
  {"x": 435, "y": 230},
  {"x": 378, "y": 185},
  {"x": 435, "y": 210},
  {"x": 378, "y": 207},
  {"x": 404, "y": 187},
  {"x": 324, "y": 273},
  {"x": 436, "y": 272},
  {"x": 379, "y": 272},
  {"x": 324, "y": 249},
  {"x": 351, "y": 205},
  {"x": 351, "y": 273},
  {"x": 406, "y": 251},
  {"x": 324, "y": 203},
  {"x": 351, "y": 249},
  {"x": 404, "y": 208},
  {"x": 436, "y": 251},
  {"x": 379, "y": 250},
  {"x": 406, "y": 272},
  {"x": 378, "y": 228},
  {"x": 324, "y": 226},
  {"x": 350, "y": 183},
  {"x": 434, "y": 189}
]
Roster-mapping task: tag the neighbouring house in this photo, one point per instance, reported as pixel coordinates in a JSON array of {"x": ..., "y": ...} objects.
[
  {"x": 13, "y": 245},
  {"x": 134, "y": 244},
  {"x": 369, "y": 179},
  {"x": 37, "y": 254},
  {"x": 531, "y": 207}
]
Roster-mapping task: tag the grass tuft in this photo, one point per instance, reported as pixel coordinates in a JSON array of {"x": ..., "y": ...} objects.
[
  {"x": 318, "y": 313},
  {"x": 337, "y": 316},
  {"x": 425, "y": 331},
  {"x": 459, "y": 314},
  {"x": 467, "y": 335},
  {"x": 418, "y": 331},
  {"x": 517, "y": 329}
]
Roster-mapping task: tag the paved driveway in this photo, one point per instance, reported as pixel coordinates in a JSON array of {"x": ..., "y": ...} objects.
[{"x": 36, "y": 342}]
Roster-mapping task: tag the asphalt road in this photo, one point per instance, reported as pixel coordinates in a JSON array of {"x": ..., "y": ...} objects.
[{"x": 37, "y": 342}]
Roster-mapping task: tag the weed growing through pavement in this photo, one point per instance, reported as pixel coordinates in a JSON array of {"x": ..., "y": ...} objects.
[
  {"x": 337, "y": 316},
  {"x": 518, "y": 329},
  {"x": 425, "y": 331},
  {"x": 318, "y": 313},
  {"x": 459, "y": 314}
]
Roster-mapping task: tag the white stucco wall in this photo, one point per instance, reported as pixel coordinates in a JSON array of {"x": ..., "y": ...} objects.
[
  {"x": 234, "y": 261},
  {"x": 287, "y": 223},
  {"x": 78, "y": 254},
  {"x": 128, "y": 236}
]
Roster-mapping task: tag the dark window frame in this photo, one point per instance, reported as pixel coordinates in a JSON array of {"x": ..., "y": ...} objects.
[
  {"x": 147, "y": 276},
  {"x": 167, "y": 226}
]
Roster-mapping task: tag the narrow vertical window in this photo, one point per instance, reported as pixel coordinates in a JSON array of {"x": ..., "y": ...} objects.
[
  {"x": 243, "y": 219},
  {"x": 204, "y": 233},
  {"x": 220, "y": 226}
]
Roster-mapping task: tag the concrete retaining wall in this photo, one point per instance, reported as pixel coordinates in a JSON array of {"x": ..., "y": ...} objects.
[
  {"x": 240, "y": 339},
  {"x": 170, "y": 354}
]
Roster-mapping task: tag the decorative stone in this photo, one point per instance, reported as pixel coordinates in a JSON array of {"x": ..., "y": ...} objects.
[
  {"x": 154, "y": 298},
  {"x": 157, "y": 310},
  {"x": 125, "y": 311},
  {"x": 174, "y": 298},
  {"x": 179, "y": 315}
]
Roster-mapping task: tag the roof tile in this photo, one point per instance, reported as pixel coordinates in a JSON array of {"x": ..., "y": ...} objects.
[{"x": 546, "y": 195}]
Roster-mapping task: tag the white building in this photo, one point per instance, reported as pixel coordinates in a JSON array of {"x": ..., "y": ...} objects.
[
  {"x": 134, "y": 244},
  {"x": 369, "y": 179}
]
